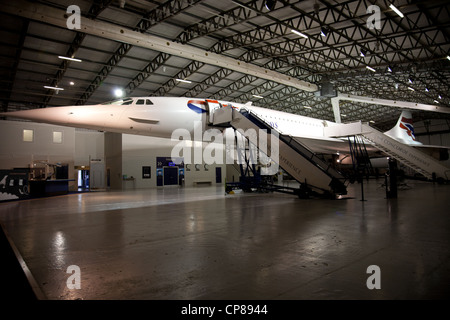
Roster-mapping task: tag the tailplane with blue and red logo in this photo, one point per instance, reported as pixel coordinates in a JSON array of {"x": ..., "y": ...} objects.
[{"x": 404, "y": 130}]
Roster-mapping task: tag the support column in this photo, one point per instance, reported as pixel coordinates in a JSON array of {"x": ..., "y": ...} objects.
[
  {"x": 113, "y": 159},
  {"x": 336, "y": 109}
]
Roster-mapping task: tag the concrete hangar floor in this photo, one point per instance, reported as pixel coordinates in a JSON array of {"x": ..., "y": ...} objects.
[{"x": 198, "y": 243}]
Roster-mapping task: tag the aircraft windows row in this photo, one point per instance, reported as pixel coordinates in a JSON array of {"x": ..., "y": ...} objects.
[
  {"x": 144, "y": 102},
  {"x": 290, "y": 120}
]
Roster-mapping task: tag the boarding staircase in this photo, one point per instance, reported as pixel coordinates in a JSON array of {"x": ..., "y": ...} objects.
[
  {"x": 408, "y": 155},
  {"x": 316, "y": 177},
  {"x": 360, "y": 157}
]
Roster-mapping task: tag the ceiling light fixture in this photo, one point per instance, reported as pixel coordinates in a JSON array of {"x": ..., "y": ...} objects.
[
  {"x": 362, "y": 52},
  {"x": 389, "y": 69},
  {"x": 256, "y": 96},
  {"x": 371, "y": 69},
  {"x": 435, "y": 101},
  {"x": 323, "y": 32},
  {"x": 396, "y": 11},
  {"x": 53, "y": 88},
  {"x": 182, "y": 80},
  {"x": 118, "y": 93},
  {"x": 270, "y": 4},
  {"x": 448, "y": 57},
  {"x": 411, "y": 89},
  {"x": 71, "y": 59},
  {"x": 299, "y": 33},
  {"x": 426, "y": 89}
]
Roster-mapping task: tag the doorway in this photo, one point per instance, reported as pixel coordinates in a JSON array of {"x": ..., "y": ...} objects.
[
  {"x": 218, "y": 175},
  {"x": 170, "y": 176},
  {"x": 83, "y": 180}
]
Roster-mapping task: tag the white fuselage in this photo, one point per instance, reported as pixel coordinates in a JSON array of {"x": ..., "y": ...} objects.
[
  {"x": 161, "y": 116},
  {"x": 292, "y": 124}
]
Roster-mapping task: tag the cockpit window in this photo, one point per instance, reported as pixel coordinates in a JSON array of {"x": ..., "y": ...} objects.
[
  {"x": 120, "y": 102},
  {"x": 144, "y": 102},
  {"x": 128, "y": 101}
]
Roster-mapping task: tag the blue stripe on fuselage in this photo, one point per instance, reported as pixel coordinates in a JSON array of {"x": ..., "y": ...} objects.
[{"x": 194, "y": 108}]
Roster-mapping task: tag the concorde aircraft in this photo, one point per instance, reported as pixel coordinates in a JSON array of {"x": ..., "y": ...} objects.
[{"x": 160, "y": 116}]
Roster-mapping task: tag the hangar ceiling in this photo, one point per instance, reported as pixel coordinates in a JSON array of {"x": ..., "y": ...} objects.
[{"x": 404, "y": 58}]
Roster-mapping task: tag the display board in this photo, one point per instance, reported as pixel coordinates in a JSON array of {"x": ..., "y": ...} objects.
[{"x": 14, "y": 184}]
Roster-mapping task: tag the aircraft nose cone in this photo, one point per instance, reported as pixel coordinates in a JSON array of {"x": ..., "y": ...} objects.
[{"x": 46, "y": 115}]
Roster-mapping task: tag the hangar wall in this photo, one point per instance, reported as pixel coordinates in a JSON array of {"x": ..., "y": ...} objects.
[
  {"x": 123, "y": 154},
  {"x": 433, "y": 132},
  {"x": 89, "y": 144},
  {"x": 54, "y": 144},
  {"x": 15, "y": 152},
  {"x": 140, "y": 151}
]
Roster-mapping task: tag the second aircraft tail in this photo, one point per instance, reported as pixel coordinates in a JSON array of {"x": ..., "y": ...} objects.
[{"x": 403, "y": 131}]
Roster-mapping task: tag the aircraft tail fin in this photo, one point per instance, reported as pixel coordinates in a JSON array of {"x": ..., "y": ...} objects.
[{"x": 403, "y": 131}]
